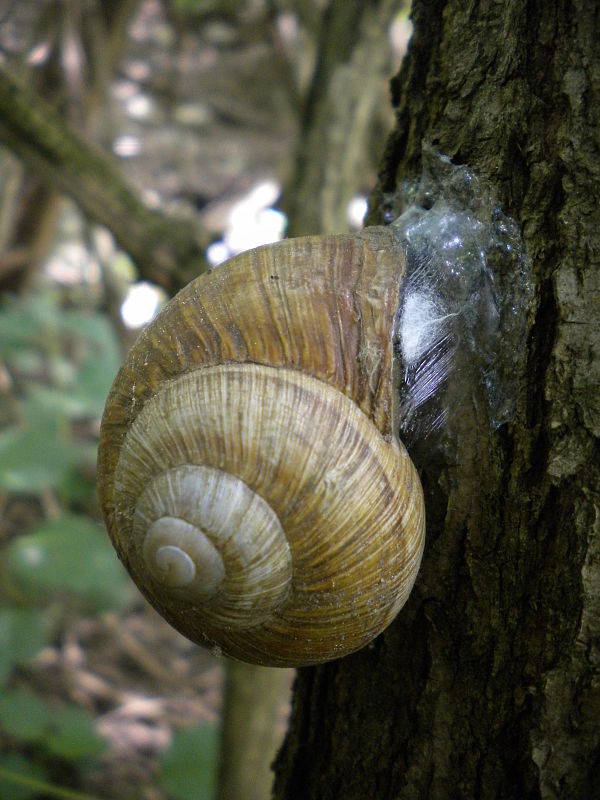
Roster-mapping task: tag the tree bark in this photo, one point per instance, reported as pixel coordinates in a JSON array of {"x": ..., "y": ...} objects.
[{"x": 488, "y": 684}]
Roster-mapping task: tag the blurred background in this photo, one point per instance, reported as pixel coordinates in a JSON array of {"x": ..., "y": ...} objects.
[{"x": 246, "y": 120}]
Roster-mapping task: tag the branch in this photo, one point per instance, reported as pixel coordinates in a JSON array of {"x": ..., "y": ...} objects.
[
  {"x": 166, "y": 251},
  {"x": 341, "y": 115}
]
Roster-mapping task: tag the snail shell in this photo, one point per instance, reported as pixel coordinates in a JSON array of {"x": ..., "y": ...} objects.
[{"x": 249, "y": 474}]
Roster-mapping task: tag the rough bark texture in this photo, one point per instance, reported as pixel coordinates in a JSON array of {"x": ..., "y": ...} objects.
[{"x": 488, "y": 684}]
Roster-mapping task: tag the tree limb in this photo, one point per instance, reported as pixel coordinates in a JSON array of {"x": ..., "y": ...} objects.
[{"x": 166, "y": 251}]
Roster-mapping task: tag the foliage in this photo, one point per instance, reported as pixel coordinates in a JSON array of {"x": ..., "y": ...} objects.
[
  {"x": 69, "y": 554},
  {"x": 66, "y": 732},
  {"x": 61, "y": 362},
  {"x": 21, "y": 780},
  {"x": 14, "y": 764},
  {"x": 188, "y": 769},
  {"x": 22, "y": 635},
  {"x": 49, "y": 735}
]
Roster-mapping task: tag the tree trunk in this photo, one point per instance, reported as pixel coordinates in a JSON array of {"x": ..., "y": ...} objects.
[{"x": 488, "y": 684}]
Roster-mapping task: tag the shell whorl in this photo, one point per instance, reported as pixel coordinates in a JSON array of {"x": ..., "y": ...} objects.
[
  {"x": 203, "y": 535},
  {"x": 247, "y": 471}
]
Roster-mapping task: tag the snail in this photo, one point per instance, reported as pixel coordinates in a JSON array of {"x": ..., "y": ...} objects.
[{"x": 249, "y": 470}]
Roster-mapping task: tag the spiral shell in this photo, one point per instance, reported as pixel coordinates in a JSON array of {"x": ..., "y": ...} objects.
[{"x": 248, "y": 472}]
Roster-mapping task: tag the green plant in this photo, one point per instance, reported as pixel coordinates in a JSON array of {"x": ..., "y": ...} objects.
[
  {"x": 49, "y": 735},
  {"x": 188, "y": 768},
  {"x": 22, "y": 635},
  {"x": 70, "y": 555},
  {"x": 59, "y": 364}
]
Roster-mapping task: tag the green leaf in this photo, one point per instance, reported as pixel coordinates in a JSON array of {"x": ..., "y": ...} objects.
[
  {"x": 73, "y": 554},
  {"x": 95, "y": 329},
  {"x": 94, "y": 379},
  {"x": 22, "y": 319},
  {"x": 22, "y": 636},
  {"x": 57, "y": 405},
  {"x": 67, "y": 732},
  {"x": 72, "y": 735},
  {"x": 13, "y": 765},
  {"x": 35, "y": 457},
  {"x": 77, "y": 350},
  {"x": 98, "y": 363},
  {"x": 81, "y": 483},
  {"x": 24, "y": 715},
  {"x": 189, "y": 767}
]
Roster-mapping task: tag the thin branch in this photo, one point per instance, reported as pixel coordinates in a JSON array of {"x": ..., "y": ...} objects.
[{"x": 167, "y": 251}]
